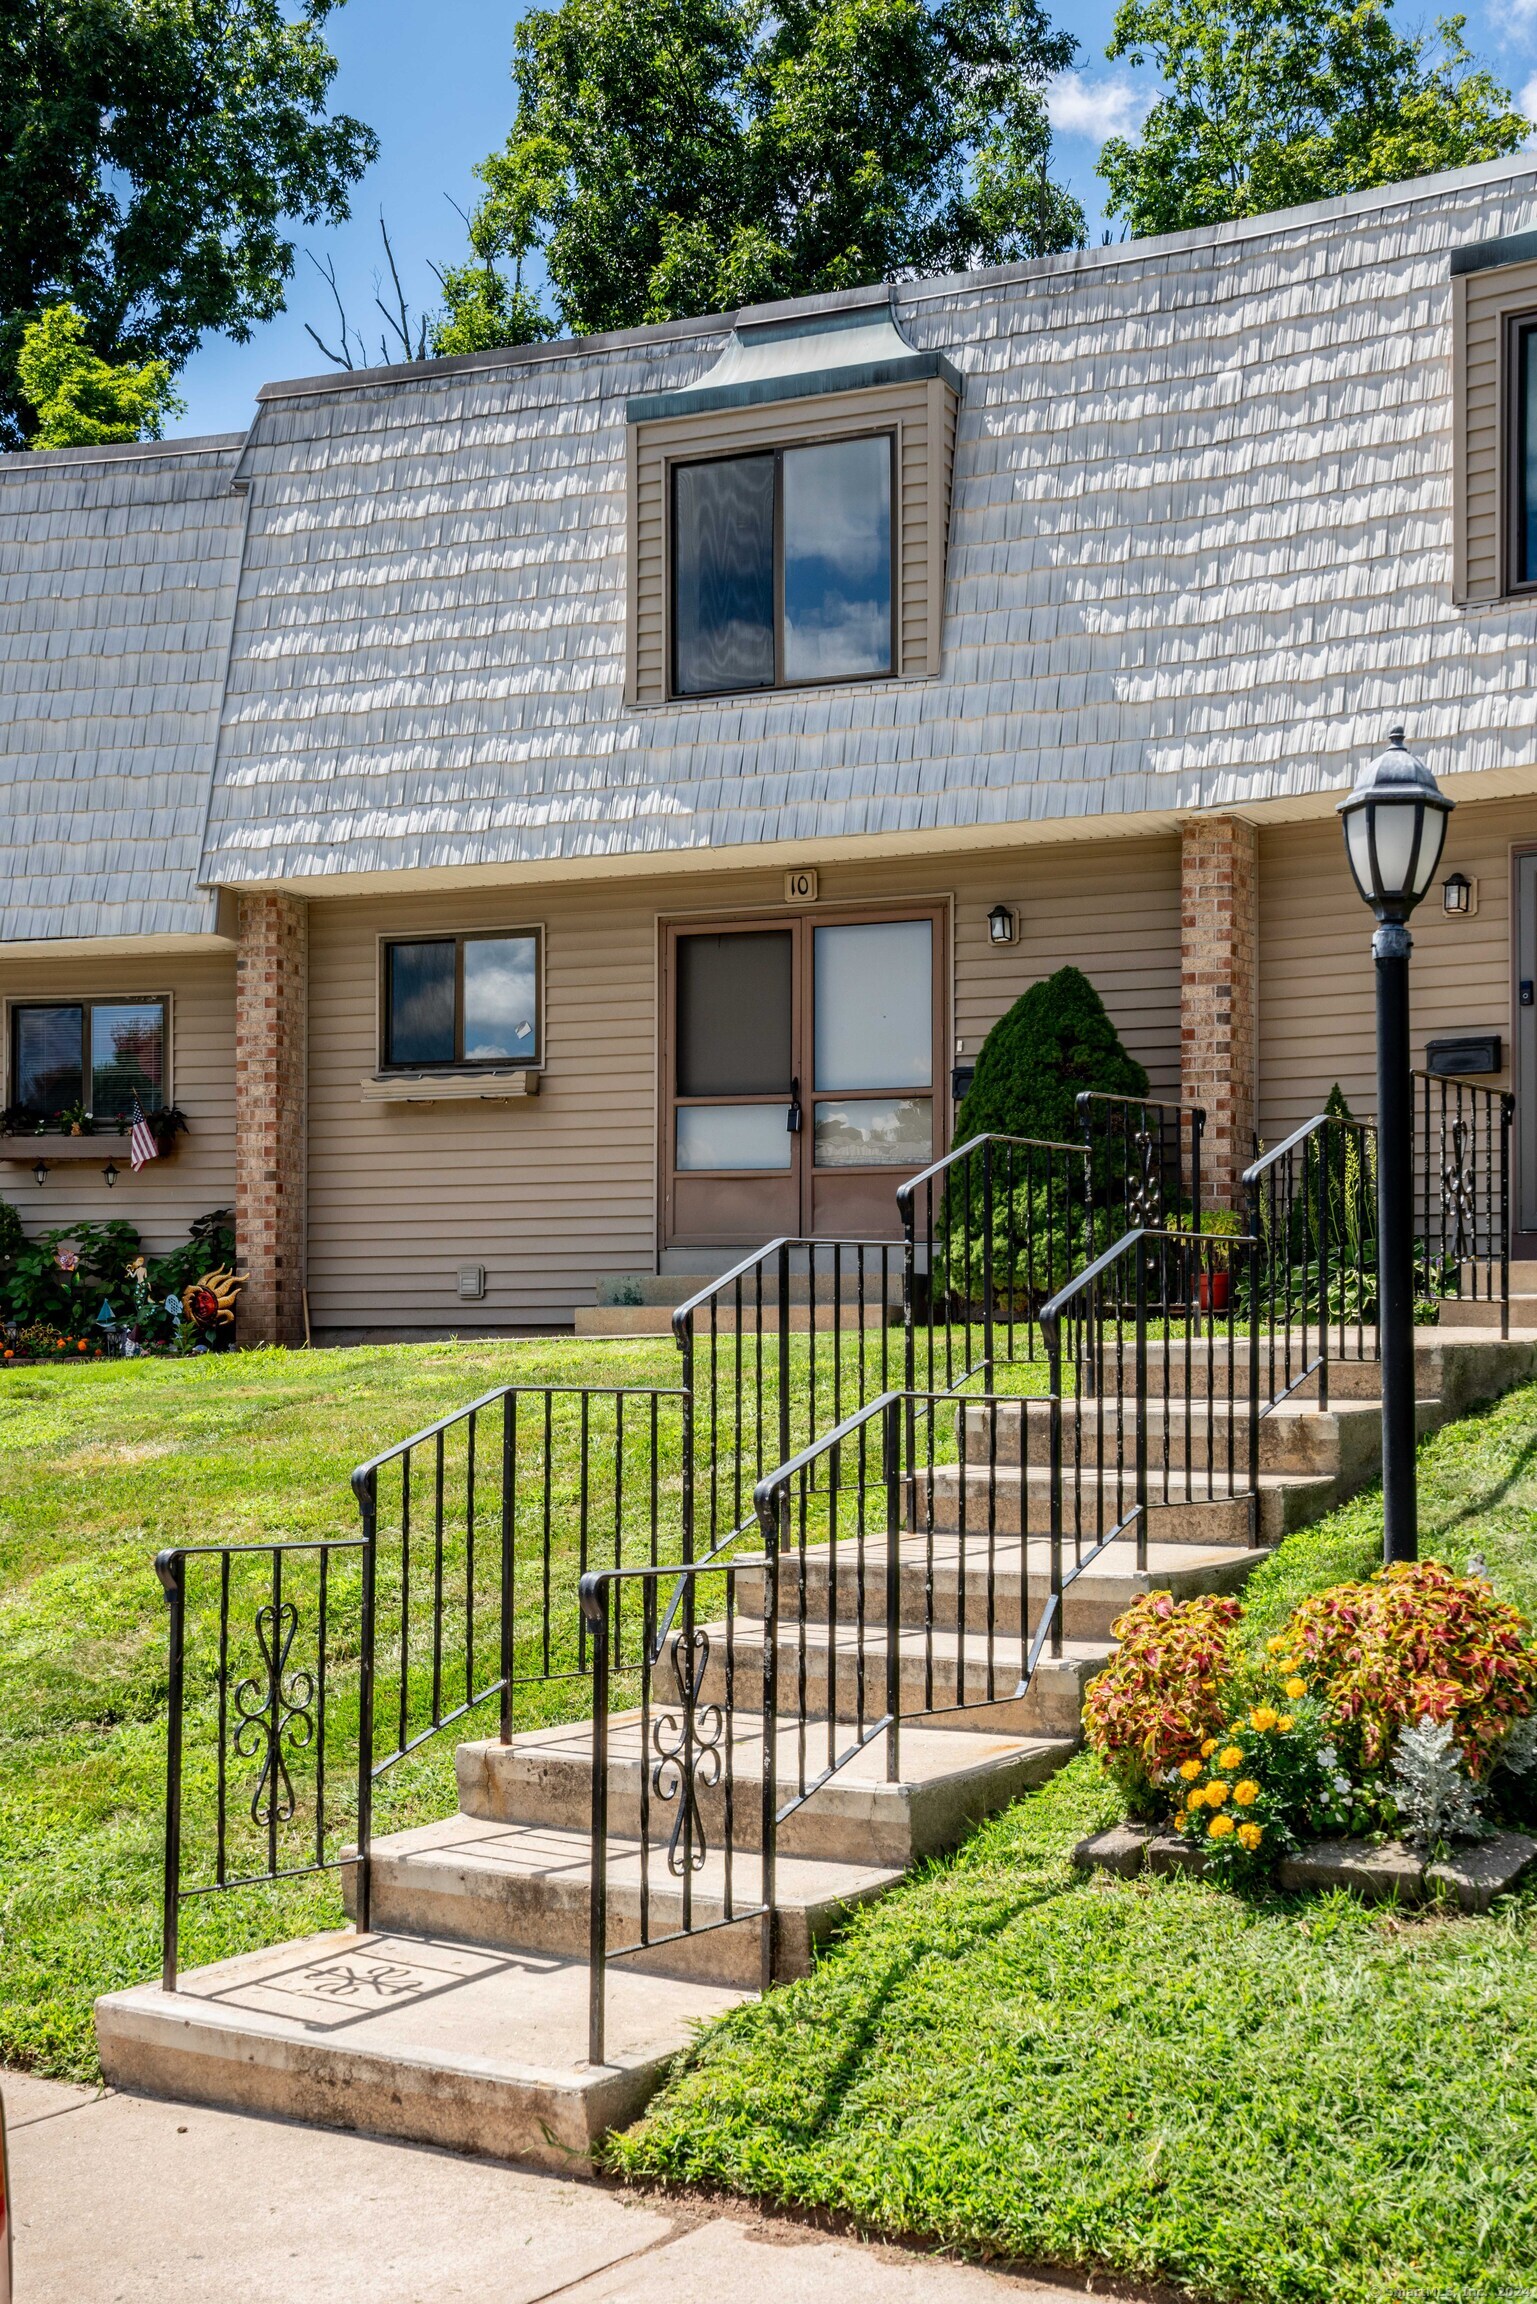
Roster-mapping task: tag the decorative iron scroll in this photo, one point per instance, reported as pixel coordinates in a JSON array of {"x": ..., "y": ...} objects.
[
  {"x": 273, "y": 1710},
  {"x": 1144, "y": 1201},
  {"x": 1459, "y": 1193},
  {"x": 688, "y": 1748}
]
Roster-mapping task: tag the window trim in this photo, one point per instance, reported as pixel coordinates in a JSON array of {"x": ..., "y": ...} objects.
[
  {"x": 890, "y": 431},
  {"x": 1520, "y": 331},
  {"x": 87, "y": 1001},
  {"x": 458, "y": 1065}
]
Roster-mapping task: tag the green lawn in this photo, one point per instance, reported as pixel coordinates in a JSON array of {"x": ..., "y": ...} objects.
[{"x": 1288, "y": 2100}]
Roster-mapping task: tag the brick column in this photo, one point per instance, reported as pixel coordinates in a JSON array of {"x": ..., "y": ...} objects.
[
  {"x": 1219, "y": 992},
  {"x": 271, "y": 1121}
]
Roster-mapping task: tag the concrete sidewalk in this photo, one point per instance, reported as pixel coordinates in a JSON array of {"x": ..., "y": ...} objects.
[{"x": 122, "y": 2199}]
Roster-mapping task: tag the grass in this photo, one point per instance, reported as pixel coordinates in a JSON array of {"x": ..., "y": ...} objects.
[{"x": 1289, "y": 2101}]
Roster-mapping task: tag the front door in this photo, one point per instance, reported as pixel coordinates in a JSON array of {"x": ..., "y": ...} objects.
[{"x": 803, "y": 1074}]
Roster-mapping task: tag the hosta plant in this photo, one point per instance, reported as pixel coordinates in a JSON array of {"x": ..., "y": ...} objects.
[{"x": 1164, "y": 1692}]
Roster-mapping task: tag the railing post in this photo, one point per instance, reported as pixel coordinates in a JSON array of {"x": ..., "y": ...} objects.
[
  {"x": 686, "y": 1500},
  {"x": 594, "y": 1601},
  {"x": 171, "y": 1568},
  {"x": 785, "y": 1448},
  {"x": 1507, "y": 1116},
  {"x": 368, "y": 1502},
  {"x": 987, "y": 1258},
  {"x": 1051, "y": 1332},
  {"x": 1141, "y": 1383},
  {"x": 509, "y": 1534},
  {"x": 1324, "y": 1155},
  {"x": 1254, "y": 1333},
  {"x": 774, "y": 1525},
  {"x": 908, "y": 1214},
  {"x": 892, "y": 1421},
  {"x": 1197, "y": 1132}
]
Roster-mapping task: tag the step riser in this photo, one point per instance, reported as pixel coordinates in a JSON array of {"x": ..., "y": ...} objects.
[
  {"x": 1344, "y": 1445},
  {"x": 1453, "y": 1372},
  {"x": 1051, "y": 1706},
  {"x": 158, "y": 2051},
  {"x": 1094, "y": 1511},
  {"x": 847, "y": 1822},
  {"x": 443, "y": 1899},
  {"x": 1091, "y": 1604}
]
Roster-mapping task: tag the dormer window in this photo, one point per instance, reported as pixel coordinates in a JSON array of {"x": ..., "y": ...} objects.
[
  {"x": 781, "y": 567},
  {"x": 789, "y": 512}
]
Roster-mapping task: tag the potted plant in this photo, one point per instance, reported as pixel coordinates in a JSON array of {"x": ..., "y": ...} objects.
[{"x": 1214, "y": 1282}]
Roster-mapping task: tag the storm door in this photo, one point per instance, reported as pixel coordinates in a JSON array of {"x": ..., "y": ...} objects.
[
  {"x": 803, "y": 1075},
  {"x": 1525, "y": 1193}
]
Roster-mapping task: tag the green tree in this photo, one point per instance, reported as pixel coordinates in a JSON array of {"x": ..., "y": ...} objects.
[
  {"x": 1269, "y": 103},
  {"x": 82, "y": 401},
  {"x": 684, "y": 156},
  {"x": 150, "y": 152},
  {"x": 483, "y": 305}
]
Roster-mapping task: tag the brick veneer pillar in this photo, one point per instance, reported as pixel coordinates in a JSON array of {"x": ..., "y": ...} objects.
[
  {"x": 1219, "y": 991},
  {"x": 271, "y": 1122}
]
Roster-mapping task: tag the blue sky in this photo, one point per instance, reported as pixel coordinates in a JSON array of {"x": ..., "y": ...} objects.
[{"x": 431, "y": 78}]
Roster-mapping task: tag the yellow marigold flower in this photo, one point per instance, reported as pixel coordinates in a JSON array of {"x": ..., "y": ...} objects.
[
  {"x": 1182, "y": 1821},
  {"x": 1296, "y": 1688},
  {"x": 1216, "y": 1792},
  {"x": 1246, "y": 1793},
  {"x": 1197, "y": 1798},
  {"x": 1209, "y": 1747},
  {"x": 1231, "y": 1758},
  {"x": 1286, "y": 1724},
  {"x": 1220, "y": 1827},
  {"x": 1261, "y": 1718},
  {"x": 1274, "y": 1647},
  {"x": 1190, "y": 1770},
  {"x": 1250, "y": 1836}
]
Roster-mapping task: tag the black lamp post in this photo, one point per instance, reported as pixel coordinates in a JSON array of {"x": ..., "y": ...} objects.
[{"x": 1395, "y": 822}]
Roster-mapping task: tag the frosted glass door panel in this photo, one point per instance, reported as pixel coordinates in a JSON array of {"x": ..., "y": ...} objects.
[
  {"x": 873, "y": 995},
  {"x": 733, "y": 1136},
  {"x": 874, "y": 1132}
]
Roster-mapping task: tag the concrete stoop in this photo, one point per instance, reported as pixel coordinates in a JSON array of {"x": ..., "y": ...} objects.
[{"x": 461, "y": 2018}]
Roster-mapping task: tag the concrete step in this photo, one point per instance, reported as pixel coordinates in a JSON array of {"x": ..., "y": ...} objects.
[
  {"x": 1181, "y": 1507},
  {"x": 528, "y": 1887},
  {"x": 958, "y": 1683},
  {"x": 636, "y": 1289},
  {"x": 940, "y": 1565},
  {"x": 1343, "y": 1441},
  {"x": 411, "y": 2036},
  {"x": 1456, "y": 1362},
  {"x": 949, "y": 1781}
]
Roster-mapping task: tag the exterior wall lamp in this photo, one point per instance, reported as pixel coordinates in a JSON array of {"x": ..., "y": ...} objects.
[
  {"x": 1395, "y": 824},
  {"x": 40, "y": 1171},
  {"x": 1457, "y": 893},
  {"x": 1000, "y": 924},
  {"x": 110, "y": 1172}
]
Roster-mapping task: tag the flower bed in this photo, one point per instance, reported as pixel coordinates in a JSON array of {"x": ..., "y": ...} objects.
[{"x": 1406, "y": 1704}]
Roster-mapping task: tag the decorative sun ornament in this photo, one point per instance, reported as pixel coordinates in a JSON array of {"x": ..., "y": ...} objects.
[{"x": 213, "y": 1297}]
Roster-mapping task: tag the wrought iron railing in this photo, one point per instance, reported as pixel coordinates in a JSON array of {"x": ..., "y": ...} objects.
[
  {"x": 1312, "y": 1205},
  {"x": 1144, "y": 1163},
  {"x": 774, "y": 1352},
  {"x": 1462, "y": 1189},
  {"x": 1151, "y": 1405},
  {"x": 459, "y": 1593},
  {"x": 988, "y": 1233}
]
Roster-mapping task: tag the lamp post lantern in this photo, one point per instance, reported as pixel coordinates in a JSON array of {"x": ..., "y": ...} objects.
[{"x": 1395, "y": 822}]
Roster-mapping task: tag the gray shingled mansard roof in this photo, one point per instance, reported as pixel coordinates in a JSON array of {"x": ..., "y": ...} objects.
[{"x": 1199, "y": 553}]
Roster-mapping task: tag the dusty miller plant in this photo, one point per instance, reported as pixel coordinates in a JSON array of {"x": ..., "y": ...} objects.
[
  {"x": 1518, "y": 1753},
  {"x": 1432, "y": 1791}
]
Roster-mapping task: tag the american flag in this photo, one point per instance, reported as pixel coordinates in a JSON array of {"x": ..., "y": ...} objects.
[{"x": 141, "y": 1143}]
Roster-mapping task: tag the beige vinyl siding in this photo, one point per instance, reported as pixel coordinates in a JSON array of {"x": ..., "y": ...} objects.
[
  {"x": 550, "y": 1192},
  {"x": 165, "y": 1195},
  {"x": 922, "y": 416},
  {"x": 1317, "y": 990},
  {"x": 1485, "y": 303}
]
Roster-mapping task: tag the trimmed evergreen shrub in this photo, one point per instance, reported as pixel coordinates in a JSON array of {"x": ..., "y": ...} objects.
[{"x": 1054, "y": 1042}]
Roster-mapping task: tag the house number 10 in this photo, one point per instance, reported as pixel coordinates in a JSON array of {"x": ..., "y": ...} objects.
[{"x": 801, "y": 887}]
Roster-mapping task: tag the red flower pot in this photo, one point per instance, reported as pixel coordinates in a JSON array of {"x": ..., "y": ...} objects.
[{"x": 1212, "y": 1291}]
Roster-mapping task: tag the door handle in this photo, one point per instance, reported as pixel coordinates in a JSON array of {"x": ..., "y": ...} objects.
[{"x": 793, "y": 1116}]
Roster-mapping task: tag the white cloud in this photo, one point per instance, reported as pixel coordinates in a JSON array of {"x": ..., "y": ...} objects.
[
  {"x": 1528, "y": 98},
  {"x": 1099, "y": 108}
]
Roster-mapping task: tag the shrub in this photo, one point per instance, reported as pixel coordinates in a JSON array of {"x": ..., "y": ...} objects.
[
  {"x": 1415, "y": 1642},
  {"x": 1268, "y": 1781},
  {"x": 56, "y": 1284},
  {"x": 1164, "y": 1692},
  {"x": 1055, "y": 1041}
]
